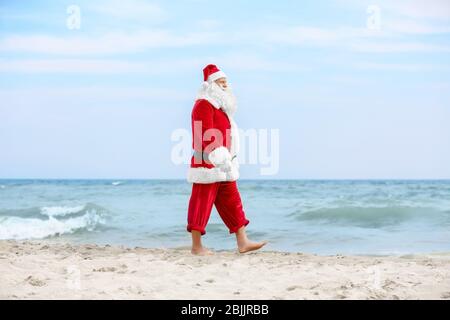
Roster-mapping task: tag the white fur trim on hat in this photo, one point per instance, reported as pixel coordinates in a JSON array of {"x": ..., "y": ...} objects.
[{"x": 216, "y": 75}]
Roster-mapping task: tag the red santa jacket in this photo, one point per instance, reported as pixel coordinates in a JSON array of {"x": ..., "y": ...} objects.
[{"x": 213, "y": 135}]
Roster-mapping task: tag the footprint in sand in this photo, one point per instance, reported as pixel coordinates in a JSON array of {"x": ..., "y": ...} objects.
[
  {"x": 105, "y": 269},
  {"x": 120, "y": 269},
  {"x": 292, "y": 288},
  {"x": 35, "y": 281},
  {"x": 390, "y": 285},
  {"x": 134, "y": 289}
]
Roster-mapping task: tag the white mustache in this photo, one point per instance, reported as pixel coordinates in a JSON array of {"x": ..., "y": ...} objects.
[{"x": 219, "y": 96}]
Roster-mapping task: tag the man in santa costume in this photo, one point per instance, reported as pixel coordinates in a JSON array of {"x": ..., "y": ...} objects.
[{"x": 214, "y": 165}]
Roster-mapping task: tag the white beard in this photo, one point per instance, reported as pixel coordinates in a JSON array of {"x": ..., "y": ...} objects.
[{"x": 219, "y": 97}]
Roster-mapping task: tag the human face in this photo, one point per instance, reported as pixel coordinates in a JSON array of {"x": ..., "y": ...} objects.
[{"x": 222, "y": 82}]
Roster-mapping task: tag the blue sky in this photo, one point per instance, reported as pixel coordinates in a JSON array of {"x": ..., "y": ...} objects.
[{"x": 351, "y": 99}]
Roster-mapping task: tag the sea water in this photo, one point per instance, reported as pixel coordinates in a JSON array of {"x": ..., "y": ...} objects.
[{"x": 313, "y": 216}]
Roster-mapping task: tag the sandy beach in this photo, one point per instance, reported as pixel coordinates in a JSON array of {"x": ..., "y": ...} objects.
[{"x": 42, "y": 270}]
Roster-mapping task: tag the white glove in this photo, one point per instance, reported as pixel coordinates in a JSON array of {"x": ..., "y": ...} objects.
[{"x": 227, "y": 166}]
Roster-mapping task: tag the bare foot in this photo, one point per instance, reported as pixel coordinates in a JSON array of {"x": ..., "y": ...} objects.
[
  {"x": 202, "y": 251},
  {"x": 251, "y": 246}
]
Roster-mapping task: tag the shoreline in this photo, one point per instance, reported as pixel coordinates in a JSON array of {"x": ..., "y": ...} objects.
[{"x": 39, "y": 269}]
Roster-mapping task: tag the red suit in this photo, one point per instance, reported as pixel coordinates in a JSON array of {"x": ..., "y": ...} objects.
[{"x": 214, "y": 166}]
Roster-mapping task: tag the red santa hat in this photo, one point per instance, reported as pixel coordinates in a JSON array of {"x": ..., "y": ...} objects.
[{"x": 212, "y": 73}]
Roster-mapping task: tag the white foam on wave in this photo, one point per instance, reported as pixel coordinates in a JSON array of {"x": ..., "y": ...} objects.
[
  {"x": 22, "y": 228},
  {"x": 116, "y": 183},
  {"x": 60, "y": 211}
]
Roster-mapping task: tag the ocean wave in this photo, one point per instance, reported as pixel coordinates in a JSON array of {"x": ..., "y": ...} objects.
[
  {"x": 371, "y": 217},
  {"x": 52, "y": 211},
  {"x": 39, "y": 223},
  {"x": 61, "y": 210},
  {"x": 116, "y": 183}
]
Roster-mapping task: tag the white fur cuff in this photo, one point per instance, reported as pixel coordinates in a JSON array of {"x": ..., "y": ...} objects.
[
  {"x": 219, "y": 156},
  {"x": 211, "y": 175}
]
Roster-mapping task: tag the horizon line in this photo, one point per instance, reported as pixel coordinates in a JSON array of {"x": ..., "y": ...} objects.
[{"x": 241, "y": 179}]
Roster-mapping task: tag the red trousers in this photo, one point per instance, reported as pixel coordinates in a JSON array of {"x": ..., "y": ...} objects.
[{"x": 225, "y": 196}]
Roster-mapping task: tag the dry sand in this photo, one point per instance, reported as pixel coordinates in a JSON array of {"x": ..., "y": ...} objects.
[{"x": 44, "y": 270}]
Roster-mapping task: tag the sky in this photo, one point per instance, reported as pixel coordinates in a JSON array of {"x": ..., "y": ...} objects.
[{"x": 353, "y": 89}]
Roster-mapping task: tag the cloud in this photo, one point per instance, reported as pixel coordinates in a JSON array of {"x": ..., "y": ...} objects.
[
  {"x": 435, "y": 9},
  {"x": 314, "y": 36},
  {"x": 391, "y": 38},
  {"x": 91, "y": 96},
  {"x": 417, "y": 9},
  {"x": 404, "y": 26},
  {"x": 209, "y": 24},
  {"x": 111, "y": 43},
  {"x": 398, "y": 47},
  {"x": 130, "y": 9},
  {"x": 354, "y": 39},
  {"x": 398, "y": 66},
  {"x": 232, "y": 60},
  {"x": 407, "y": 17},
  {"x": 245, "y": 61},
  {"x": 397, "y": 23},
  {"x": 101, "y": 66}
]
